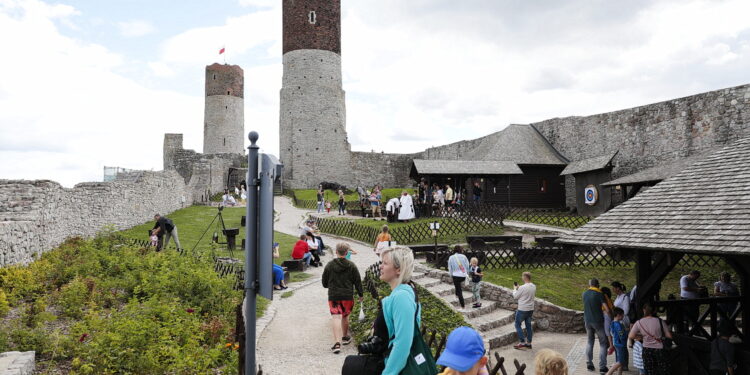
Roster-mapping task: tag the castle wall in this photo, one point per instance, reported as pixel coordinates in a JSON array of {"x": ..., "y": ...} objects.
[
  {"x": 324, "y": 33},
  {"x": 652, "y": 134},
  {"x": 36, "y": 216},
  {"x": 388, "y": 170},
  {"x": 312, "y": 126}
]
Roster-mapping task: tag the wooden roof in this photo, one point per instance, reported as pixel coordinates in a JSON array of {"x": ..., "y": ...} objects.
[
  {"x": 705, "y": 208},
  {"x": 586, "y": 165},
  {"x": 654, "y": 174},
  {"x": 468, "y": 167}
]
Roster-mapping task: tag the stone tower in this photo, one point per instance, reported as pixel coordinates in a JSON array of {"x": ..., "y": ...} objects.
[
  {"x": 312, "y": 121},
  {"x": 224, "y": 119}
]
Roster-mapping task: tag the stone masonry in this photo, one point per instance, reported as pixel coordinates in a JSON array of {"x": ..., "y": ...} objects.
[
  {"x": 17, "y": 363},
  {"x": 36, "y": 216}
]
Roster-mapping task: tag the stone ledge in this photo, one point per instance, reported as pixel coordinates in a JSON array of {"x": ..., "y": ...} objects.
[
  {"x": 17, "y": 363},
  {"x": 548, "y": 316}
]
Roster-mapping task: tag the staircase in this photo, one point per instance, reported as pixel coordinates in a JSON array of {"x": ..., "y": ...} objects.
[{"x": 495, "y": 324}]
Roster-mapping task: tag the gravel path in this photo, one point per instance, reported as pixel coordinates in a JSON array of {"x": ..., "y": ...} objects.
[{"x": 299, "y": 336}]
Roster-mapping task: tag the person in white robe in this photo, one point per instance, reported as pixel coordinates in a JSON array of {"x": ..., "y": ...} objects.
[
  {"x": 406, "y": 212},
  {"x": 391, "y": 209}
]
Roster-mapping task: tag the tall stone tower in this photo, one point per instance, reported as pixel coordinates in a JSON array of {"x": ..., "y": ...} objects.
[
  {"x": 312, "y": 122},
  {"x": 224, "y": 119}
]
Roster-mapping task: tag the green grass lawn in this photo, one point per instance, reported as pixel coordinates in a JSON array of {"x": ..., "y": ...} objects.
[
  {"x": 192, "y": 221},
  {"x": 564, "y": 286}
]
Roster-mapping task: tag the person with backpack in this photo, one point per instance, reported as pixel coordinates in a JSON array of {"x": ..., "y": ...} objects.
[
  {"x": 341, "y": 277},
  {"x": 656, "y": 334},
  {"x": 458, "y": 268}
]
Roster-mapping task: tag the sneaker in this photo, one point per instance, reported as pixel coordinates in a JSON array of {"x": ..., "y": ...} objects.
[
  {"x": 590, "y": 367},
  {"x": 528, "y": 345},
  {"x": 336, "y": 348},
  {"x": 346, "y": 340},
  {"x": 604, "y": 370},
  {"x": 519, "y": 346}
]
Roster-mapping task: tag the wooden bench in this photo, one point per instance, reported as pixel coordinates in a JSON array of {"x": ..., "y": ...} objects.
[{"x": 294, "y": 265}]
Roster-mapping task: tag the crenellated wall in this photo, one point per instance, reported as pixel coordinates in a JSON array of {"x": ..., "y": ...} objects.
[{"x": 36, "y": 216}]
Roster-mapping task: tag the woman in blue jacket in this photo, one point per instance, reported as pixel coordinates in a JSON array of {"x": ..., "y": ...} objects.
[{"x": 399, "y": 307}]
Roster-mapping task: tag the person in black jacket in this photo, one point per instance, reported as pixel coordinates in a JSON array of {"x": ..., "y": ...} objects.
[
  {"x": 341, "y": 277},
  {"x": 165, "y": 229}
]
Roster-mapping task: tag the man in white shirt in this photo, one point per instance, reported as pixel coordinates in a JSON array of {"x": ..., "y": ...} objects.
[
  {"x": 689, "y": 289},
  {"x": 525, "y": 295}
]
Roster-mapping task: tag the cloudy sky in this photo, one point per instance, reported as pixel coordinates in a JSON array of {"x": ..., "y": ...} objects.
[{"x": 89, "y": 83}]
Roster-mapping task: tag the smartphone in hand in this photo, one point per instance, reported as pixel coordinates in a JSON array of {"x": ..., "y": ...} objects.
[{"x": 515, "y": 283}]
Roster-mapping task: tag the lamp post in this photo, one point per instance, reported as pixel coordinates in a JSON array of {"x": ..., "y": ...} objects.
[{"x": 435, "y": 227}]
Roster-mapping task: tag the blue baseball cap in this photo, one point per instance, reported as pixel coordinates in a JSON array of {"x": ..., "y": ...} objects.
[{"x": 463, "y": 349}]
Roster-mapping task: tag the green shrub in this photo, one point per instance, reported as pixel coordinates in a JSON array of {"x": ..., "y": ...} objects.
[
  {"x": 4, "y": 306},
  {"x": 72, "y": 298},
  {"x": 19, "y": 284}
]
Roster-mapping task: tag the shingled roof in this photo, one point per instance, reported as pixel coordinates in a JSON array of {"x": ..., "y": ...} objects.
[
  {"x": 474, "y": 167},
  {"x": 585, "y": 165},
  {"x": 521, "y": 144},
  {"x": 705, "y": 208},
  {"x": 654, "y": 174}
]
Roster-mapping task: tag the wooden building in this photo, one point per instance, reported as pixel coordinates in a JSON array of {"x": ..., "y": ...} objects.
[
  {"x": 519, "y": 169},
  {"x": 704, "y": 209},
  {"x": 592, "y": 199}
]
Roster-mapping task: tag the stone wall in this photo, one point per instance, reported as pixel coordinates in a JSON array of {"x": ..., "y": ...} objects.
[
  {"x": 36, "y": 216},
  {"x": 652, "y": 134},
  {"x": 548, "y": 316},
  {"x": 323, "y": 33},
  {"x": 388, "y": 170}
]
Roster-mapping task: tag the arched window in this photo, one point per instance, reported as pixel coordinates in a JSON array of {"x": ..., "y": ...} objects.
[{"x": 311, "y": 17}]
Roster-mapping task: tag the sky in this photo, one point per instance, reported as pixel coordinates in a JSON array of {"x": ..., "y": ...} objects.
[{"x": 87, "y": 84}]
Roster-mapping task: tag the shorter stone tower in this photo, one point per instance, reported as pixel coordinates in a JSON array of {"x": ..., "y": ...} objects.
[{"x": 224, "y": 120}]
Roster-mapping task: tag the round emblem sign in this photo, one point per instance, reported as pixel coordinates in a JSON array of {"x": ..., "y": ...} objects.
[{"x": 590, "y": 195}]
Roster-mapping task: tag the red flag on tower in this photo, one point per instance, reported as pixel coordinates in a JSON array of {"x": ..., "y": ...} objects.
[{"x": 221, "y": 50}]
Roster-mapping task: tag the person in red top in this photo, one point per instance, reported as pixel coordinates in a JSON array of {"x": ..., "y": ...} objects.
[{"x": 302, "y": 250}]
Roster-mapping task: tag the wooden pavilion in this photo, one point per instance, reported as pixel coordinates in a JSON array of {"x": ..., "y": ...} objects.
[{"x": 704, "y": 209}]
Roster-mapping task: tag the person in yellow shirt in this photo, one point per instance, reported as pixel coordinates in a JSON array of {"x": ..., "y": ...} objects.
[{"x": 464, "y": 353}]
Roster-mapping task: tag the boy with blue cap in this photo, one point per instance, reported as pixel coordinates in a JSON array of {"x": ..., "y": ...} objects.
[{"x": 464, "y": 353}]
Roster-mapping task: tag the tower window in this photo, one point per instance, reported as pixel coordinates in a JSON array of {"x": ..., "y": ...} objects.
[
  {"x": 229, "y": 93},
  {"x": 311, "y": 17},
  {"x": 225, "y": 141},
  {"x": 214, "y": 76}
]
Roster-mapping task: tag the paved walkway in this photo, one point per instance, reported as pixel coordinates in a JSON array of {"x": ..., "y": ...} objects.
[{"x": 298, "y": 338}]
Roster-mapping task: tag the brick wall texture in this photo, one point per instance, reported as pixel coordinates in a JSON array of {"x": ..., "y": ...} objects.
[{"x": 322, "y": 34}]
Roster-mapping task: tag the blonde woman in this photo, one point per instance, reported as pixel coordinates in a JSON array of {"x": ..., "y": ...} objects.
[
  {"x": 400, "y": 307},
  {"x": 550, "y": 362}
]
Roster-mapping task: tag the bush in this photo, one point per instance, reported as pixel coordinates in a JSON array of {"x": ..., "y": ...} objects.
[
  {"x": 4, "y": 306},
  {"x": 19, "y": 284},
  {"x": 72, "y": 298}
]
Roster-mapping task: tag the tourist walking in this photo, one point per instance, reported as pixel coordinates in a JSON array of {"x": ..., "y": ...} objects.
[
  {"x": 341, "y": 277},
  {"x": 722, "y": 352},
  {"x": 342, "y": 202},
  {"x": 406, "y": 212},
  {"x": 525, "y": 295},
  {"x": 476, "y": 281},
  {"x": 382, "y": 241},
  {"x": 458, "y": 268},
  {"x": 690, "y": 289},
  {"x": 375, "y": 198},
  {"x": 550, "y": 362},
  {"x": 653, "y": 330},
  {"x": 321, "y": 199},
  {"x": 464, "y": 353},
  {"x": 594, "y": 307},
  {"x": 477, "y": 192},
  {"x": 622, "y": 300},
  {"x": 619, "y": 341},
  {"x": 401, "y": 311},
  {"x": 165, "y": 229},
  {"x": 449, "y": 196}
]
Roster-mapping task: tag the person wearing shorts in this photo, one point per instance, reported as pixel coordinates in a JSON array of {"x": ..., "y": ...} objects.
[{"x": 341, "y": 278}]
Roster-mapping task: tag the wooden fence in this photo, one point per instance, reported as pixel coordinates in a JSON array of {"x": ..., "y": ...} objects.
[{"x": 518, "y": 256}]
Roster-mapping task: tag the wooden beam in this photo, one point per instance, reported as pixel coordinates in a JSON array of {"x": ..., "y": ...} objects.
[
  {"x": 650, "y": 275},
  {"x": 741, "y": 264}
]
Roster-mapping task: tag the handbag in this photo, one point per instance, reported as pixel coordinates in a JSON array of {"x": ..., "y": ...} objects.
[
  {"x": 420, "y": 360},
  {"x": 667, "y": 343}
]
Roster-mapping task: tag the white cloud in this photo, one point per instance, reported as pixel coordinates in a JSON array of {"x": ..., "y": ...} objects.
[
  {"x": 135, "y": 28},
  {"x": 65, "y": 113}
]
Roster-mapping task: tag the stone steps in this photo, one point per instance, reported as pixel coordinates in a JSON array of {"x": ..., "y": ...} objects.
[
  {"x": 494, "y": 319},
  {"x": 428, "y": 282},
  {"x": 502, "y": 336}
]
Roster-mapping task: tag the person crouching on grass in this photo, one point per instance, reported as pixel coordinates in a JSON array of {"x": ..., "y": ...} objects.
[
  {"x": 464, "y": 353},
  {"x": 341, "y": 276}
]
